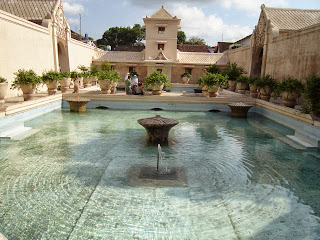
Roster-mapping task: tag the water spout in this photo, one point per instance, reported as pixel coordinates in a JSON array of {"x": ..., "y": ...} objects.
[{"x": 158, "y": 158}]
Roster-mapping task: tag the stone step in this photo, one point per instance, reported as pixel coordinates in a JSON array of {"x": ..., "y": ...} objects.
[
  {"x": 307, "y": 137},
  {"x": 301, "y": 142},
  {"x": 13, "y": 130}
]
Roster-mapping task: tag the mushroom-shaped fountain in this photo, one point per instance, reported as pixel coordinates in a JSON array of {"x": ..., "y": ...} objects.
[
  {"x": 240, "y": 109},
  {"x": 78, "y": 104},
  {"x": 158, "y": 128}
]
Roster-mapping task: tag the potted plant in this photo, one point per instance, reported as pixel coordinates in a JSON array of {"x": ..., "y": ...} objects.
[
  {"x": 94, "y": 71},
  {"x": 27, "y": 81},
  {"x": 266, "y": 85},
  {"x": 86, "y": 75},
  {"x": 51, "y": 79},
  {"x": 3, "y": 89},
  {"x": 107, "y": 80},
  {"x": 65, "y": 81},
  {"x": 290, "y": 89},
  {"x": 253, "y": 87},
  {"x": 242, "y": 84},
  {"x": 201, "y": 87},
  {"x": 156, "y": 81},
  {"x": 233, "y": 72},
  {"x": 185, "y": 77},
  {"x": 213, "y": 68},
  {"x": 213, "y": 81},
  {"x": 312, "y": 96},
  {"x": 115, "y": 77}
]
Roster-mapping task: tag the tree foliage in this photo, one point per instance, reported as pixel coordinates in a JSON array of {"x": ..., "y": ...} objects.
[
  {"x": 181, "y": 37},
  {"x": 123, "y": 36},
  {"x": 196, "y": 41}
]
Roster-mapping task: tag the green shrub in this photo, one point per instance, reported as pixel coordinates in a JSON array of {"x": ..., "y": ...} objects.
[
  {"x": 65, "y": 74},
  {"x": 291, "y": 85},
  {"x": 25, "y": 77},
  {"x": 242, "y": 79},
  {"x": 312, "y": 95},
  {"x": 85, "y": 72},
  {"x": 51, "y": 76},
  {"x": 94, "y": 70},
  {"x": 233, "y": 71},
  {"x": 211, "y": 79},
  {"x": 267, "y": 81},
  {"x": 109, "y": 75},
  {"x": 186, "y": 74},
  {"x": 3, "y": 80},
  {"x": 156, "y": 78},
  {"x": 213, "y": 69},
  {"x": 253, "y": 80}
]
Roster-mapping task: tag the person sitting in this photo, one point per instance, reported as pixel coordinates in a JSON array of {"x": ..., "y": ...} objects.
[{"x": 139, "y": 89}]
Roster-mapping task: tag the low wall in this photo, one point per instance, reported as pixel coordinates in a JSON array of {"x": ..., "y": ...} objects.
[
  {"x": 242, "y": 56},
  {"x": 295, "y": 54},
  {"x": 23, "y": 45}
]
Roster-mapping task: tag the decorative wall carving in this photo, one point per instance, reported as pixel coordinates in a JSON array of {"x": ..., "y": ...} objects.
[
  {"x": 61, "y": 23},
  {"x": 260, "y": 32}
]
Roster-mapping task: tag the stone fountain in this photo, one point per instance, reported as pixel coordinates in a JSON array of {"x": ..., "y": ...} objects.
[
  {"x": 240, "y": 109},
  {"x": 78, "y": 104},
  {"x": 158, "y": 128}
]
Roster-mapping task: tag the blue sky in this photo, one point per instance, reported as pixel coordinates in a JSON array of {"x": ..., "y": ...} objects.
[{"x": 212, "y": 20}]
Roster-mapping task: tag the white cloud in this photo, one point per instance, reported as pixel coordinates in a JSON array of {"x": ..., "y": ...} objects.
[
  {"x": 252, "y": 7},
  {"x": 210, "y": 28},
  {"x": 73, "y": 8},
  {"x": 75, "y": 21}
]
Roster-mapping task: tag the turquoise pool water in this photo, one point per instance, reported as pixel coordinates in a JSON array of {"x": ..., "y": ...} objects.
[{"x": 76, "y": 179}]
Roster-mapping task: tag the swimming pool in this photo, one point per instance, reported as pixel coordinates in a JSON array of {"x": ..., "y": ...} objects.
[{"x": 76, "y": 178}]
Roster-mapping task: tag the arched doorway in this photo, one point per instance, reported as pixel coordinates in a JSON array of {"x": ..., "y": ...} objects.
[
  {"x": 257, "y": 62},
  {"x": 63, "y": 58}
]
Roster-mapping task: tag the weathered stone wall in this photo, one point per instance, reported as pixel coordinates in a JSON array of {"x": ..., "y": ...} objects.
[
  {"x": 295, "y": 54},
  {"x": 242, "y": 56},
  {"x": 23, "y": 45}
]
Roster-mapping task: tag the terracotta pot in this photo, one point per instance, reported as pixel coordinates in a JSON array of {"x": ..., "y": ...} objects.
[
  {"x": 94, "y": 81},
  {"x": 65, "y": 84},
  {"x": 205, "y": 92},
  {"x": 290, "y": 98},
  {"x": 52, "y": 87},
  {"x": 253, "y": 91},
  {"x": 242, "y": 87},
  {"x": 114, "y": 87},
  {"x": 157, "y": 89},
  {"x": 81, "y": 81},
  {"x": 265, "y": 93},
  {"x": 185, "y": 80},
  {"x": 3, "y": 91},
  {"x": 232, "y": 85},
  {"x": 105, "y": 86},
  {"x": 86, "y": 82},
  {"x": 214, "y": 92},
  {"x": 28, "y": 91}
]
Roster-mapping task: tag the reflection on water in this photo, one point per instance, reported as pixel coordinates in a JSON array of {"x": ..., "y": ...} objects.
[{"x": 70, "y": 180}]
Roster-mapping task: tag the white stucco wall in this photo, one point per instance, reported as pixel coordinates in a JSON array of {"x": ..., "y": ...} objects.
[
  {"x": 23, "y": 45},
  {"x": 80, "y": 54}
]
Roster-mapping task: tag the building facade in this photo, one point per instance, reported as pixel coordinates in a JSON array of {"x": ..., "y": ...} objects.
[
  {"x": 161, "y": 53},
  {"x": 284, "y": 43}
]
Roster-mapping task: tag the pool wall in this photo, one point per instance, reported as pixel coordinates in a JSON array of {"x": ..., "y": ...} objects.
[{"x": 305, "y": 127}]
